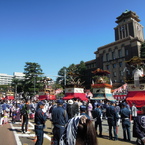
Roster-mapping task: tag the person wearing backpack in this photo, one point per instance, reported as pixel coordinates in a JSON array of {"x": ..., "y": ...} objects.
[{"x": 25, "y": 114}]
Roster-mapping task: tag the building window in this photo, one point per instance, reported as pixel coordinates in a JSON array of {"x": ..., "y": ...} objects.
[
  {"x": 113, "y": 55},
  {"x": 107, "y": 67},
  {"x": 114, "y": 65},
  {"x": 107, "y": 57},
  {"x": 114, "y": 74},
  {"x": 126, "y": 52},
  {"x": 120, "y": 64},
  {"x": 121, "y": 73},
  {"x": 120, "y": 53}
]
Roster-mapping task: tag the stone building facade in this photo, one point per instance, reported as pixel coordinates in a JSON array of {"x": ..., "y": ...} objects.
[{"x": 128, "y": 39}]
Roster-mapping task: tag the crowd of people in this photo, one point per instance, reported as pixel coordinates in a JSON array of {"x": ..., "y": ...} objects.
[{"x": 76, "y": 122}]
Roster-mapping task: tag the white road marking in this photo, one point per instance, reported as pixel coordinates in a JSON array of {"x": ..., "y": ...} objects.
[
  {"x": 26, "y": 135},
  {"x": 17, "y": 135},
  {"x": 45, "y": 135},
  {"x": 21, "y": 127}
]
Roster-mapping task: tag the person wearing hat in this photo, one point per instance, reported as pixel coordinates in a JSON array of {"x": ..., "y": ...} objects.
[
  {"x": 59, "y": 120},
  {"x": 83, "y": 110},
  {"x": 40, "y": 119},
  {"x": 112, "y": 116},
  {"x": 125, "y": 116},
  {"x": 70, "y": 109},
  {"x": 97, "y": 116}
]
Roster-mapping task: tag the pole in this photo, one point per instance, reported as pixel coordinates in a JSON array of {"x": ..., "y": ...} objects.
[
  {"x": 16, "y": 91},
  {"x": 34, "y": 85},
  {"x": 64, "y": 77}
]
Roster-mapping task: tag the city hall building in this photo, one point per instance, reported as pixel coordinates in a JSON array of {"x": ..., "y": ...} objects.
[{"x": 128, "y": 39}]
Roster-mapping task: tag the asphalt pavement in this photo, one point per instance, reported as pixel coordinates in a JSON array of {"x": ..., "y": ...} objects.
[{"x": 10, "y": 134}]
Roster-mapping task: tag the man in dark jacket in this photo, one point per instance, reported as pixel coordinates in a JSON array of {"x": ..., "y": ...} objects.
[
  {"x": 97, "y": 116},
  {"x": 40, "y": 119},
  {"x": 112, "y": 116},
  {"x": 125, "y": 116},
  {"x": 59, "y": 120},
  {"x": 25, "y": 114},
  {"x": 83, "y": 110}
]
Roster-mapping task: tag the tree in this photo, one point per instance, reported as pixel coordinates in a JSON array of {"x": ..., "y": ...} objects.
[
  {"x": 82, "y": 70},
  {"x": 4, "y": 88},
  {"x": 17, "y": 84},
  {"x": 33, "y": 75},
  {"x": 75, "y": 74}
]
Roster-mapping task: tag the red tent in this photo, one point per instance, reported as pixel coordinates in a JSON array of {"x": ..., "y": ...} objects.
[
  {"x": 47, "y": 97},
  {"x": 80, "y": 96},
  {"x": 137, "y": 97},
  {"x": 9, "y": 98},
  {"x": 52, "y": 97}
]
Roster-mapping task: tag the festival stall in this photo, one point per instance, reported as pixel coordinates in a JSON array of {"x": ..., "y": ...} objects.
[
  {"x": 9, "y": 96},
  {"x": 75, "y": 92},
  {"x": 47, "y": 94},
  {"x": 136, "y": 86},
  {"x": 101, "y": 87},
  {"x": 120, "y": 93}
]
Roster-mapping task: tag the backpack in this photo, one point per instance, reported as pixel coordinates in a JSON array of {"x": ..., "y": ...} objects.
[{"x": 23, "y": 111}]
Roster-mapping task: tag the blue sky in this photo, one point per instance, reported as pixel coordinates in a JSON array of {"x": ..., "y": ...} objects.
[{"x": 57, "y": 33}]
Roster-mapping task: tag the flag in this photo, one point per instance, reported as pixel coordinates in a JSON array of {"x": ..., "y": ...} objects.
[{"x": 58, "y": 91}]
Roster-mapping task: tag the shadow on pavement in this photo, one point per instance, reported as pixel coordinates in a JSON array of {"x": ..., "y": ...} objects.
[
  {"x": 10, "y": 129},
  {"x": 119, "y": 139}
]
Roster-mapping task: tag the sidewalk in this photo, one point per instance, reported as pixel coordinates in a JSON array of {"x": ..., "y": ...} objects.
[{"x": 7, "y": 135}]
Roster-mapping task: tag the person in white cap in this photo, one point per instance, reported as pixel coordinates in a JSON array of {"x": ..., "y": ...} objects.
[{"x": 69, "y": 109}]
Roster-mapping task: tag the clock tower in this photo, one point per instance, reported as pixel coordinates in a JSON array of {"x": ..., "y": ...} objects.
[{"x": 128, "y": 25}]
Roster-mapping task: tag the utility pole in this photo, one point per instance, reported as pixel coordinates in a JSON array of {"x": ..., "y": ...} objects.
[{"x": 64, "y": 77}]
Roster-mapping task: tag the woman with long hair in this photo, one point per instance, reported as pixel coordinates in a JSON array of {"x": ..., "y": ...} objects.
[{"x": 79, "y": 131}]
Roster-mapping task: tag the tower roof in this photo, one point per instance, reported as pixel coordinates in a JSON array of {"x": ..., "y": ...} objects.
[{"x": 127, "y": 14}]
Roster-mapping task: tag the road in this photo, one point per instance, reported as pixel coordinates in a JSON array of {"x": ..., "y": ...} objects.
[{"x": 10, "y": 134}]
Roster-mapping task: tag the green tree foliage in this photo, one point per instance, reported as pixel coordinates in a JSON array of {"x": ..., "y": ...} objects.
[
  {"x": 17, "y": 84},
  {"x": 142, "y": 53},
  {"x": 33, "y": 76},
  {"x": 82, "y": 70},
  {"x": 74, "y": 73},
  {"x": 4, "y": 88}
]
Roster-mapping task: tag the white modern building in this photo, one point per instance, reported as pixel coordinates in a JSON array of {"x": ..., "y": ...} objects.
[
  {"x": 6, "y": 79},
  {"x": 19, "y": 75}
]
